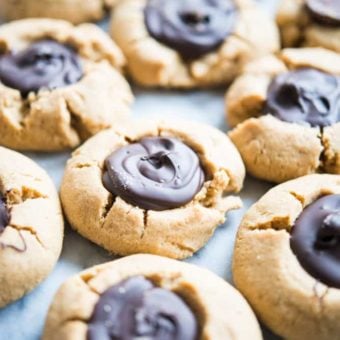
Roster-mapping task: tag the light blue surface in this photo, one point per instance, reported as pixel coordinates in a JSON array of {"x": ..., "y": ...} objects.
[{"x": 24, "y": 319}]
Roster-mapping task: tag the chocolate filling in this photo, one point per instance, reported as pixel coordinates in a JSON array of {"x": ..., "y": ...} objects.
[
  {"x": 191, "y": 27},
  {"x": 45, "y": 64},
  {"x": 136, "y": 309},
  {"x": 305, "y": 96},
  {"x": 315, "y": 240},
  {"x": 324, "y": 12},
  {"x": 157, "y": 173}
]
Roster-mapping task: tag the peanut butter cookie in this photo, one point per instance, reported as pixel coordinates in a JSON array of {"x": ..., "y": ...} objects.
[
  {"x": 75, "y": 11},
  {"x": 186, "y": 44},
  {"x": 286, "y": 259},
  {"x": 314, "y": 23},
  {"x": 31, "y": 225},
  {"x": 59, "y": 84},
  {"x": 152, "y": 187},
  {"x": 287, "y": 108},
  {"x": 149, "y": 297}
]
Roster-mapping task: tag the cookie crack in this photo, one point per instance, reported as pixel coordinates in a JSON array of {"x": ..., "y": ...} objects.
[
  {"x": 182, "y": 247},
  {"x": 106, "y": 208},
  {"x": 322, "y": 156},
  {"x": 75, "y": 121},
  {"x": 29, "y": 230},
  {"x": 15, "y": 196},
  {"x": 85, "y": 165},
  {"x": 298, "y": 197},
  {"x": 320, "y": 297},
  {"x": 274, "y": 223},
  {"x": 4, "y": 245},
  {"x": 145, "y": 223},
  {"x": 86, "y": 281}
]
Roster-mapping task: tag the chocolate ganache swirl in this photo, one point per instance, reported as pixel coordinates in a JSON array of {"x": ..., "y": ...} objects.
[
  {"x": 315, "y": 240},
  {"x": 45, "y": 64},
  {"x": 191, "y": 27},
  {"x": 4, "y": 215},
  {"x": 157, "y": 173},
  {"x": 305, "y": 96},
  {"x": 136, "y": 309},
  {"x": 324, "y": 12}
]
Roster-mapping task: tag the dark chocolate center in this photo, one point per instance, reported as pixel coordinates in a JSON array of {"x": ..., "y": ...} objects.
[
  {"x": 305, "y": 96},
  {"x": 324, "y": 12},
  {"x": 4, "y": 214},
  {"x": 136, "y": 309},
  {"x": 315, "y": 240},
  {"x": 191, "y": 27},
  {"x": 157, "y": 173},
  {"x": 45, "y": 64}
]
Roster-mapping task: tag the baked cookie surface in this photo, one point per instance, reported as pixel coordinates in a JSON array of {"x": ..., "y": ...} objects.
[
  {"x": 75, "y": 11},
  {"x": 286, "y": 259},
  {"x": 314, "y": 23},
  {"x": 154, "y": 187},
  {"x": 59, "y": 84},
  {"x": 186, "y": 44},
  {"x": 286, "y": 112},
  {"x": 31, "y": 225},
  {"x": 151, "y": 296}
]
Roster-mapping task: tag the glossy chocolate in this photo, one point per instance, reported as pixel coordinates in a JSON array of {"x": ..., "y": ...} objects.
[
  {"x": 157, "y": 173},
  {"x": 324, "y": 12},
  {"x": 45, "y": 64},
  {"x": 4, "y": 215},
  {"x": 136, "y": 309},
  {"x": 191, "y": 27},
  {"x": 315, "y": 240},
  {"x": 305, "y": 96}
]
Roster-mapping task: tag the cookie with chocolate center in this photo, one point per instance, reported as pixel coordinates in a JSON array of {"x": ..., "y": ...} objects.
[
  {"x": 187, "y": 44},
  {"x": 152, "y": 187},
  {"x": 287, "y": 258},
  {"x": 285, "y": 111},
  {"x": 149, "y": 297},
  {"x": 310, "y": 23},
  {"x": 60, "y": 84}
]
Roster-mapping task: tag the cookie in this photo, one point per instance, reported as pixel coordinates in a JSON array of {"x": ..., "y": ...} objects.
[
  {"x": 147, "y": 296},
  {"x": 75, "y": 11},
  {"x": 314, "y": 23},
  {"x": 286, "y": 109},
  {"x": 286, "y": 259},
  {"x": 186, "y": 44},
  {"x": 152, "y": 187},
  {"x": 59, "y": 84},
  {"x": 31, "y": 225}
]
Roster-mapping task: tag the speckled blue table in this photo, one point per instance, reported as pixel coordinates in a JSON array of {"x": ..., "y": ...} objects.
[{"x": 24, "y": 319}]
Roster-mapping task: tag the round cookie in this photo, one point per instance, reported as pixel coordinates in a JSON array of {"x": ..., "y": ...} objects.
[
  {"x": 147, "y": 296},
  {"x": 75, "y": 11},
  {"x": 152, "y": 187},
  {"x": 314, "y": 23},
  {"x": 31, "y": 225},
  {"x": 286, "y": 260},
  {"x": 287, "y": 112},
  {"x": 186, "y": 44},
  {"x": 59, "y": 84}
]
